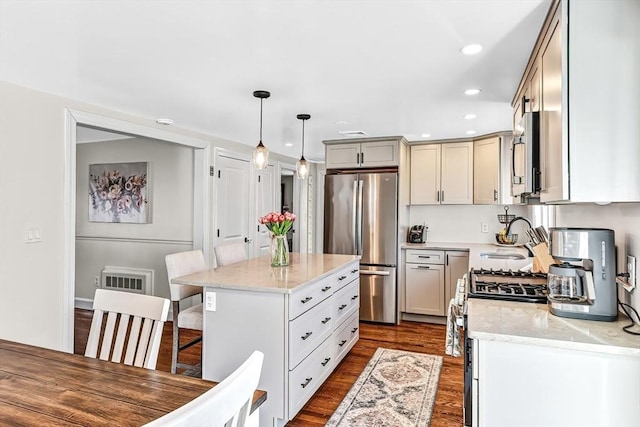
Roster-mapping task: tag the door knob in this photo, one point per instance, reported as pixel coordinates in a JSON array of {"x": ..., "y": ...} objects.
[{"x": 247, "y": 239}]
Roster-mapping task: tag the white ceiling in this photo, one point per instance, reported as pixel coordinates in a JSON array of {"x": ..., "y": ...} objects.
[{"x": 389, "y": 67}]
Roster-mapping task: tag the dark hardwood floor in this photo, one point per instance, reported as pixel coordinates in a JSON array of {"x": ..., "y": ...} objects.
[{"x": 410, "y": 336}]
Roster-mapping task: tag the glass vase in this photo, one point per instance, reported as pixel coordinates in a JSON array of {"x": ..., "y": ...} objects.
[{"x": 279, "y": 251}]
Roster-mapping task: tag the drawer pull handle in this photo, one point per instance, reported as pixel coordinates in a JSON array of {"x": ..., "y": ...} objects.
[
  {"x": 354, "y": 297},
  {"x": 424, "y": 256},
  {"x": 342, "y": 277},
  {"x": 305, "y": 336},
  {"x": 354, "y": 271},
  {"x": 306, "y": 382},
  {"x": 354, "y": 330},
  {"x": 326, "y": 319},
  {"x": 343, "y": 342},
  {"x": 424, "y": 266},
  {"x": 342, "y": 307},
  {"x": 306, "y": 300},
  {"x": 325, "y": 361},
  {"x": 326, "y": 288}
]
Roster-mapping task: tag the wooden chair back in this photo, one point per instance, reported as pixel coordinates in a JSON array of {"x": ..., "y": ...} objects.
[
  {"x": 227, "y": 404},
  {"x": 230, "y": 254},
  {"x": 139, "y": 320}
]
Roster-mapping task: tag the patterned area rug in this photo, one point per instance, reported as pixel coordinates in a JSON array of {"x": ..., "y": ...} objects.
[{"x": 396, "y": 388}]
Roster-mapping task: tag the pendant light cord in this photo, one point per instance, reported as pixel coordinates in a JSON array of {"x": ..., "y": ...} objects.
[
  {"x": 261, "y": 119},
  {"x": 302, "y": 155}
]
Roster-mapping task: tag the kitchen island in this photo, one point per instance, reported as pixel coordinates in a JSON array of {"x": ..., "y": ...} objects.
[
  {"x": 303, "y": 317},
  {"x": 577, "y": 372}
]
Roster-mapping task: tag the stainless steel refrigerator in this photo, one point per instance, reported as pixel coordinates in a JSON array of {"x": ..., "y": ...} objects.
[{"x": 361, "y": 218}]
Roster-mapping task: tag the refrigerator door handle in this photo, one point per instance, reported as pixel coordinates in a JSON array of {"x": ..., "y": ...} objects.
[
  {"x": 356, "y": 226},
  {"x": 359, "y": 226},
  {"x": 374, "y": 273}
]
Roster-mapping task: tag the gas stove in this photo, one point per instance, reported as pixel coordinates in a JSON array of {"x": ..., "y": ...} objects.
[{"x": 508, "y": 285}]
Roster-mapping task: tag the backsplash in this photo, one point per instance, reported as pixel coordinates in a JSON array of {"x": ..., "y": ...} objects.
[
  {"x": 462, "y": 223},
  {"x": 623, "y": 218}
]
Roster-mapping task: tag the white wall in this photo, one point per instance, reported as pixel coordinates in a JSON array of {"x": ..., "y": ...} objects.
[
  {"x": 461, "y": 223},
  {"x": 623, "y": 218},
  {"x": 170, "y": 194},
  {"x": 32, "y": 178}
]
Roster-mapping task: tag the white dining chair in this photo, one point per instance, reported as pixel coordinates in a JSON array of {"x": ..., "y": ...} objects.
[
  {"x": 230, "y": 254},
  {"x": 181, "y": 264},
  {"x": 139, "y": 319},
  {"x": 226, "y": 404}
]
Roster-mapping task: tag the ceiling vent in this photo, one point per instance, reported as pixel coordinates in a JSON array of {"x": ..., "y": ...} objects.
[{"x": 352, "y": 133}]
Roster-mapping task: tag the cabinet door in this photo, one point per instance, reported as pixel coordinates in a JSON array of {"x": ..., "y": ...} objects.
[
  {"x": 456, "y": 266},
  {"x": 486, "y": 171},
  {"x": 425, "y": 289},
  {"x": 342, "y": 156},
  {"x": 382, "y": 153},
  {"x": 457, "y": 174},
  {"x": 534, "y": 90},
  {"x": 425, "y": 174},
  {"x": 553, "y": 145}
]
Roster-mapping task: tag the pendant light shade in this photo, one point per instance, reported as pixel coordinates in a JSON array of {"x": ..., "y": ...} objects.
[
  {"x": 302, "y": 166},
  {"x": 261, "y": 153}
]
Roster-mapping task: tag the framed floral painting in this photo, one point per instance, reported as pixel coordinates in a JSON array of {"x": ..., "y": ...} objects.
[{"x": 118, "y": 193}]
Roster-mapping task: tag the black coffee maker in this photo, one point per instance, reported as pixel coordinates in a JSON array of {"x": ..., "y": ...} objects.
[{"x": 417, "y": 234}]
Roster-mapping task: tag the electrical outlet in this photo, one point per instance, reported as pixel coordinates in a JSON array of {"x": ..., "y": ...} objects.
[
  {"x": 96, "y": 281},
  {"x": 631, "y": 269},
  {"x": 484, "y": 227},
  {"x": 210, "y": 301}
]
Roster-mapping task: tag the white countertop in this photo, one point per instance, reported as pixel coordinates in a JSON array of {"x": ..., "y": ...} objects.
[
  {"x": 256, "y": 274},
  {"x": 533, "y": 324},
  {"x": 475, "y": 250}
]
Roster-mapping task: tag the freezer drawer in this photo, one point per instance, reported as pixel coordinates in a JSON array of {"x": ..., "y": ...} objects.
[{"x": 378, "y": 294}]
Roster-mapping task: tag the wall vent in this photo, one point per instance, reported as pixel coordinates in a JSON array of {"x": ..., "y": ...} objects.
[{"x": 126, "y": 279}]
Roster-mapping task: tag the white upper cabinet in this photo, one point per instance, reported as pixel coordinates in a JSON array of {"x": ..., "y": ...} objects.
[
  {"x": 442, "y": 174},
  {"x": 486, "y": 171},
  {"x": 588, "y": 59},
  {"x": 366, "y": 154}
]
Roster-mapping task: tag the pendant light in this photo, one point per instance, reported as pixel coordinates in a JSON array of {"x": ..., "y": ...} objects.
[
  {"x": 261, "y": 153},
  {"x": 302, "y": 166}
]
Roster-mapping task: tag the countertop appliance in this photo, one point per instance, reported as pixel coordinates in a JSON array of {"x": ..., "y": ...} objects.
[
  {"x": 583, "y": 284},
  {"x": 417, "y": 234},
  {"x": 525, "y": 156},
  {"x": 361, "y": 218}
]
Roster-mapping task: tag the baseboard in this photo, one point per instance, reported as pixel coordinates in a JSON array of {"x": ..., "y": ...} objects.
[
  {"x": 424, "y": 318},
  {"x": 84, "y": 303}
]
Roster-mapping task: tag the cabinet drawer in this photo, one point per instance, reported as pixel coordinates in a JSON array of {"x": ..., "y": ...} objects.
[
  {"x": 309, "y": 376},
  {"x": 308, "y": 330},
  {"x": 344, "y": 277},
  {"x": 303, "y": 300},
  {"x": 425, "y": 256},
  {"x": 345, "y": 338},
  {"x": 345, "y": 301}
]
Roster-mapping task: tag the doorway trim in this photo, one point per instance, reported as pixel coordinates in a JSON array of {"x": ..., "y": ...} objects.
[{"x": 201, "y": 208}]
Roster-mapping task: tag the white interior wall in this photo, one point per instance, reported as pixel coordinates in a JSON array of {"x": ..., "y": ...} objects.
[
  {"x": 170, "y": 195},
  {"x": 623, "y": 218}
]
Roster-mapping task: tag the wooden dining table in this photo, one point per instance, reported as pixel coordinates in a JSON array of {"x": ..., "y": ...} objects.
[{"x": 42, "y": 387}]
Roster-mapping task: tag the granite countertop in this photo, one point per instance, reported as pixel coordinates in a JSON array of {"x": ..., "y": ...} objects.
[
  {"x": 533, "y": 324},
  {"x": 257, "y": 275},
  {"x": 475, "y": 250}
]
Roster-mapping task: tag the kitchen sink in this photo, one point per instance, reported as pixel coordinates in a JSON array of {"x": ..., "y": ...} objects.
[{"x": 502, "y": 255}]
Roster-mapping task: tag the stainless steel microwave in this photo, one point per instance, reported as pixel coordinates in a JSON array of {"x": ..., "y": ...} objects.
[{"x": 525, "y": 156}]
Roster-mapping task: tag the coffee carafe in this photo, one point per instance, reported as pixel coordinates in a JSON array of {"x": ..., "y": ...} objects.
[{"x": 583, "y": 284}]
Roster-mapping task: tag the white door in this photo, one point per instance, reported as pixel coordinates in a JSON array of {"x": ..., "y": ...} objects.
[
  {"x": 232, "y": 201},
  {"x": 265, "y": 203}
]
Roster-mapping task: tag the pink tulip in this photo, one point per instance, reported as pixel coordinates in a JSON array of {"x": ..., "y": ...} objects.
[
  {"x": 287, "y": 216},
  {"x": 293, "y": 217},
  {"x": 281, "y": 218}
]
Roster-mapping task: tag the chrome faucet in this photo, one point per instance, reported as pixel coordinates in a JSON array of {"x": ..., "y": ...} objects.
[{"x": 518, "y": 218}]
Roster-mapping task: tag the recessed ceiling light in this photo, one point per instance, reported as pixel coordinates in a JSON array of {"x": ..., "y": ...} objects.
[
  {"x": 471, "y": 132},
  {"x": 288, "y": 144},
  {"x": 426, "y": 135},
  {"x": 165, "y": 122},
  {"x": 471, "y": 49},
  {"x": 470, "y": 116},
  {"x": 472, "y": 91}
]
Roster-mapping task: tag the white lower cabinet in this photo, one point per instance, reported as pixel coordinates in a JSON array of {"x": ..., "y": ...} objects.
[
  {"x": 571, "y": 388},
  {"x": 303, "y": 335}
]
